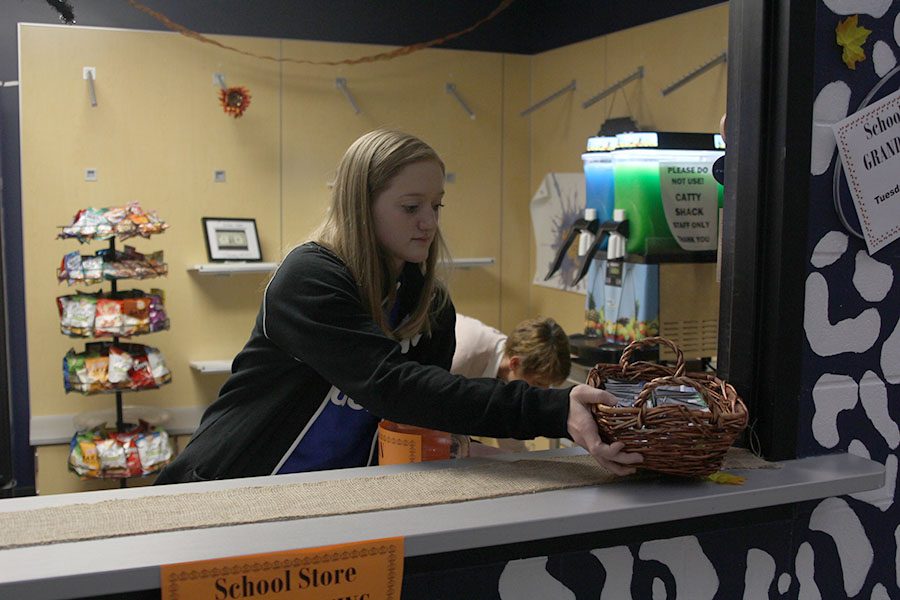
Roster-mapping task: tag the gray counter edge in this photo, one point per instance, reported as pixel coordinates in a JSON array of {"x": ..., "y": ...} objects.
[{"x": 128, "y": 564}]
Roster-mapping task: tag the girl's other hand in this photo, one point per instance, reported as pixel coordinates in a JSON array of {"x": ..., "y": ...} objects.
[{"x": 583, "y": 431}]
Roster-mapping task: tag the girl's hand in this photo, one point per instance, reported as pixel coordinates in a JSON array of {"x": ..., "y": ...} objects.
[{"x": 583, "y": 431}]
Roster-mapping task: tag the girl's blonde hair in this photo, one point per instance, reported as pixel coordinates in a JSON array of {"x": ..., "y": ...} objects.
[{"x": 366, "y": 169}]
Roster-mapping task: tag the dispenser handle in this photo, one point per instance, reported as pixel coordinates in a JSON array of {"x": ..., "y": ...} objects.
[
  {"x": 589, "y": 257},
  {"x": 577, "y": 227}
]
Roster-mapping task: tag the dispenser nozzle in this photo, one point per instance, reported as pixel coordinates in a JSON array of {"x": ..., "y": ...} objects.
[{"x": 612, "y": 229}]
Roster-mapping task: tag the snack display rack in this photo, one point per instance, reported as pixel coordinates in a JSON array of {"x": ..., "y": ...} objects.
[{"x": 135, "y": 446}]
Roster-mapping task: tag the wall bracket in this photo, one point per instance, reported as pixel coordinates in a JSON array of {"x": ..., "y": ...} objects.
[
  {"x": 89, "y": 74},
  {"x": 638, "y": 74},
  {"x": 550, "y": 98},
  {"x": 341, "y": 84},
  {"x": 696, "y": 72},
  {"x": 451, "y": 89}
]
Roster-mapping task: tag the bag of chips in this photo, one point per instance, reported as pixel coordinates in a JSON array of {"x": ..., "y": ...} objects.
[{"x": 101, "y": 452}]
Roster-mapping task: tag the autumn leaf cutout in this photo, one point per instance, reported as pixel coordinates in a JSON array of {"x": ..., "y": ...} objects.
[
  {"x": 723, "y": 478},
  {"x": 851, "y": 37}
]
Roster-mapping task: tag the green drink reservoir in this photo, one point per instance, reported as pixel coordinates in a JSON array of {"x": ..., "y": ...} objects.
[{"x": 664, "y": 183}]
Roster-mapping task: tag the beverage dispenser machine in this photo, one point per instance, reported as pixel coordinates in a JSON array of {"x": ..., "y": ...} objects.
[{"x": 661, "y": 279}]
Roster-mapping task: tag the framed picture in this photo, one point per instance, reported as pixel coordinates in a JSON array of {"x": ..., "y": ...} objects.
[{"x": 231, "y": 239}]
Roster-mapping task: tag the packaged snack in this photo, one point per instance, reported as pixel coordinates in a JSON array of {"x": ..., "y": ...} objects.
[
  {"x": 158, "y": 319},
  {"x": 99, "y": 224},
  {"x": 70, "y": 269},
  {"x": 131, "y": 253},
  {"x": 117, "y": 270},
  {"x": 114, "y": 214},
  {"x": 125, "y": 229},
  {"x": 76, "y": 314},
  {"x": 108, "y": 320},
  {"x": 154, "y": 449},
  {"x": 102, "y": 452},
  {"x": 97, "y": 370},
  {"x": 161, "y": 373},
  {"x": 132, "y": 457},
  {"x": 67, "y": 383},
  {"x": 77, "y": 373},
  {"x": 120, "y": 364},
  {"x": 112, "y": 455},
  {"x": 141, "y": 374},
  {"x": 92, "y": 267},
  {"x": 104, "y": 367},
  {"x": 83, "y": 458},
  {"x": 156, "y": 262},
  {"x": 135, "y": 316},
  {"x": 104, "y": 231}
]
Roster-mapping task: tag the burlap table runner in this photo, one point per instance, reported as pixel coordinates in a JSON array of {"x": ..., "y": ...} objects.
[{"x": 173, "y": 512}]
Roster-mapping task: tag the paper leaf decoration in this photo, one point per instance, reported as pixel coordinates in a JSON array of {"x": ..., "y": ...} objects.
[
  {"x": 723, "y": 478},
  {"x": 850, "y": 36}
]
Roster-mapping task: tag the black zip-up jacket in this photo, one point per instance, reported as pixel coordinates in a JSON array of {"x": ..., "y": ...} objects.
[{"x": 312, "y": 335}]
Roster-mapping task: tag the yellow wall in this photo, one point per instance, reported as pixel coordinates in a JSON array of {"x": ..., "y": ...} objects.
[
  {"x": 158, "y": 134},
  {"x": 408, "y": 94}
]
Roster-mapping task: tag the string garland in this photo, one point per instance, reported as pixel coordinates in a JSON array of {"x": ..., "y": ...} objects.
[{"x": 402, "y": 51}]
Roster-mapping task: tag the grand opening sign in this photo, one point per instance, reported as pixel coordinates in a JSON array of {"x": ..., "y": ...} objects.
[{"x": 869, "y": 145}]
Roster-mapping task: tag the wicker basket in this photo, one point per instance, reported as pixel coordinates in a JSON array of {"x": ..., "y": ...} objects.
[{"x": 673, "y": 439}]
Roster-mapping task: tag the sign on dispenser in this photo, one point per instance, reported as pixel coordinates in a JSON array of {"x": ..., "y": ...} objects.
[{"x": 664, "y": 182}]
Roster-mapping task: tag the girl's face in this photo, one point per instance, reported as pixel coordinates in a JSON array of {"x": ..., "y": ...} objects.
[{"x": 406, "y": 212}]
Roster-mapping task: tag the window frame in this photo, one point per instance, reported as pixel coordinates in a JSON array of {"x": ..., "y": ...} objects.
[{"x": 764, "y": 242}]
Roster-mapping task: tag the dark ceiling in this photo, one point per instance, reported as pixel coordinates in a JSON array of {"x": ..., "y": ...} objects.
[{"x": 525, "y": 27}]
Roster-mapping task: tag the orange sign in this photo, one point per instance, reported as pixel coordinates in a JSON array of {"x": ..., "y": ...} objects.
[
  {"x": 371, "y": 570},
  {"x": 395, "y": 448}
]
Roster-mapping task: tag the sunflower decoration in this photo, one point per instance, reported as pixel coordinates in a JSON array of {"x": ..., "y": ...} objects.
[{"x": 234, "y": 100}]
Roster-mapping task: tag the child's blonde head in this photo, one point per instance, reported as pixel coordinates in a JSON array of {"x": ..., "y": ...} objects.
[{"x": 542, "y": 348}]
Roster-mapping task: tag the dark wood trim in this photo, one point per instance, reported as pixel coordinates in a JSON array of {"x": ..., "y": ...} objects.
[
  {"x": 770, "y": 96},
  {"x": 7, "y": 478}
]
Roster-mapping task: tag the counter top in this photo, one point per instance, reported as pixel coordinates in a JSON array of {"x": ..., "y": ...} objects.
[{"x": 115, "y": 565}]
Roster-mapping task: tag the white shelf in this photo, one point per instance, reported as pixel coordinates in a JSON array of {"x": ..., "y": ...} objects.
[
  {"x": 211, "y": 366},
  {"x": 48, "y": 430},
  {"x": 233, "y": 268},
  {"x": 465, "y": 263}
]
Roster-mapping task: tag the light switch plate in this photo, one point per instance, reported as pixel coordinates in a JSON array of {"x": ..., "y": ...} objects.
[
  {"x": 90, "y": 174},
  {"x": 219, "y": 176}
]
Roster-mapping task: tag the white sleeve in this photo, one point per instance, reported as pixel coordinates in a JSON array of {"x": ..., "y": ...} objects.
[{"x": 479, "y": 348}]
